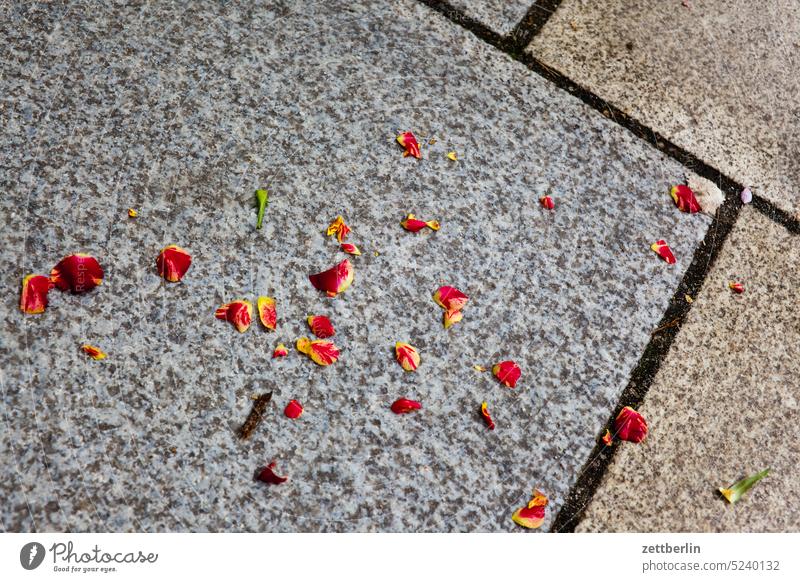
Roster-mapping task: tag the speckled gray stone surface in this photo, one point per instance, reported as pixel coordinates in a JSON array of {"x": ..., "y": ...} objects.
[
  {"x": 181, "y": 112},
  {"x": 719, "y": 78},
  {"x": 723, "y": 406},
  {"x": 499, "y": 15}
]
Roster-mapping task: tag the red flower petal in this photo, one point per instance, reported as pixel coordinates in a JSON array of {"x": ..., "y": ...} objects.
[
  {"x": 93, "y": 352},
  {"x": 322, "y": 352},
  {"x": 507, "y": 373},
  {"x": 173, "y": 262},
  {"x": 736, "y": 287},
  {"x": 266, "y": 312},
  {"x": 450, "y": 298},
  {"x": 607, "y": 438},
  {"x": 33, "y": 298},
  {"x": 411, "y": 223},
  {"x": 532, "y": 515},
  {"x": 239, "y": 313},
  {"x": 409, "y": 143},
  {"x": 321, "y": 326},
  {"x": 339, "y": 228},
  {"x": 334, "y": 280},
  {"x": 451, "y": 317},
  {"x": 404, "y": 406},
  {"x": 280, "y": 352},
  {"x": 662, "y": 249},
  {"x": 77, "y": 273},
  {"x": 294, "y": 409},
  {"x": 684, "y": 199},
  {"x": 407, "y": 356},
  {"x": 486, "y": 416},
  {"x": 630, "y": 425},
  {"x": 547, "y": 202},
  {"x": 350, "y": 249},
  {"x": 267, "y": 475}
]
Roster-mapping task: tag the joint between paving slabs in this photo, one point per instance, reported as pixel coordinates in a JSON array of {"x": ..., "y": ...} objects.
[{"x": 531, "y": 24}]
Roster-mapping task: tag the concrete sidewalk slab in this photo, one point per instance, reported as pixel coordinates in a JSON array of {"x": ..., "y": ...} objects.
[
  {"x": 723, "y": 406},
  {"x": 719, "y": 79},
  {"x": 182, "y": 117}
]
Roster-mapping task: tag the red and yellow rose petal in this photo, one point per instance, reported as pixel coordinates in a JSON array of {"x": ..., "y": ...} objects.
[
  {"x": 321, "y": 352},
  {"x": 413, "y": 224},
  {"x": 267, "y": 314},
  {"x": 684, "y": 199},
  {"x": 531, "y": 516},
  {"x": 267, "y": 475},
  {"x": 407, "y": 356},
  {"x": 173, "y": 262},
  {"x": 280, "y": 351},
  {"x": 239, "y": 313},
  {"x": 450, "y": 299},
  {"x": 404, "y": 406},
  {"x": 93, "y": 352},
  {"x": 507, "y": 373},
  {"x": 33, "y": 298},
  {"x": 77, "y": 273},
  {"x": 661, "y": 248},
  {"x": 452, "y": 317},
  {"x": 321, "y": 326},
  {"x": 607, "y": 438},
  {"x": 409, "y": 143},
  {"x": 487, "y": 418},
  {"x": 293, "y": 410},
  {"x": 350, "y": 249},
  {"x": 335, "y": 280},
  {"x": 736, "y": 286},
  {"x": 547, "y": 202},
  {"x": 630, "y": 425},
  {"x": 338, "y": 228}
]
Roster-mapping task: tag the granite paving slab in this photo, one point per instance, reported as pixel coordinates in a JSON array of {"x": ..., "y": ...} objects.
[
  {"x": 181, "y": 111},
  {"x": 724, "y": 405},
  {"x": 719, "y": 78},
  {"x": 499, "y": 15}
]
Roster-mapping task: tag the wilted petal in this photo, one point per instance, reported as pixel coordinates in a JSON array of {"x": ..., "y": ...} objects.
[
  {"x": 507, "y": 373},
  {"x": 607, "y": 438},
  {"x": 684, "y": 199},
  {"x": 267, "y": 475},
  {"x": 33, "y": 298},
  {"x": 350, "y": 249},
  {"x": 450, "y": 298},
  {"x": 451, "y": 317},
  {"x": 239, "y": 313},
  {"x": 531, "y": 516},
  {"x": 404, "y": 406},
  {"x": 486, "y": 416},
  {"x": 173, "y": 262},
  {"x": 479, "y": 368},
  {"x": 409, "y": 144},
  {"x": 132, "y": 213},
  {"x": 266, "y": 312},
  {"x": 338, "y": 228},
  {"x": 407, "y": 356},
  {"x": 77, "y": 273},
  {"x": 452, "y": 156},
  {"x": 321, "y": 326},
  {"x": 322, "y": 352},
  {"x": 747, "y": 196},
  {"x": 280, "y": 351},
  {"x": 661, "y": 248},
  {"x": 547, "y": 202},
  {"x": 735, "y": 491},
  {"x": 413, "y": 224},
  {"x": 93, "y": 352},
  {"x": 294, "y": 409},
  {"x": 334, "y": 280},
  {"x": 630, "y": 425},
  {"x": 736, "y": 287}
]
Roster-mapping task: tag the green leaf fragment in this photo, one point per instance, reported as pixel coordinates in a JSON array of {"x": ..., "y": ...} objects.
[
  {"x": 262, "y": 199},
  {"x": 735, "y": 492}
]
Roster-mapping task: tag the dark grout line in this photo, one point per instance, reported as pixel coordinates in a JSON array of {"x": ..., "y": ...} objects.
[
  {"x": 476, "y": 27},
  {"x": 768, "y": 209},
  {"x": 533, "y": 21}
]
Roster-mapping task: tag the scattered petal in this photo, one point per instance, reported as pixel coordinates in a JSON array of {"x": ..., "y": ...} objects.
[
  {"x": 33, "y": 298},
  {"x": 688, "y": 298},
  {"x": 322, "y": 352},
  {"x": 432, "y": 141},
  {"x": 531, "y": 516},
  {"x": 173, "y": 262},
  {"x": 734, "y": 492},
  {"x": 238, "y": 312},
  {"x": 507, "y": 373},
  {"x": 630, "y": 425},
  {"x": 321, "y": 326},
  {"x": 338, "y": 228},
  {"x": 451, "y": 317},
  {"x": 661, "y": 248},
  {"x": 736, "y": 287},
  {"x": 93, "y": 352},
  {"x": 280, "y": 352},
  {"x": 547, "y": 202},
  {"x": 486, "y": 416},
  {"x": 414, "y": 225},
  {"x": 267, "y": 313},
  {"x": 607, "y": 438},
  {"x": 267, "y": 475},
  {"x": 335, "y": 280},
  {"x": 407, "y": 356},
  {"x": 708, "y": 195},
  {"x": 409, "y": 144},
  {"x": 294, "y": 409},
  {"x": 351, "y": 249},
  {"x": 747, "y": 196},
  {"x": 77, "y": 273},
  {"x": 404, "y": 406},
  {"x": 684, "y": 199},
  {"x": 452, "y": 156},
  {"x": 262, "y": 201},
  {"x": 450, "y": 299},
  {"x": 479, "y": 368},
  {"x": 132, "y": 213}
]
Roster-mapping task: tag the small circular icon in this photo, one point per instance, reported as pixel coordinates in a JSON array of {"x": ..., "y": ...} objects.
[{"x": 31, "y": 555}]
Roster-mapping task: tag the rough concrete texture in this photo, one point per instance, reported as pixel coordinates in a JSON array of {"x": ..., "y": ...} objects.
[
  {"x": 499, "y": 15},
  {"x": 720, "y": 78},
  {"x": 182, "y": 111},
  {"x": 723, "y": 406}
]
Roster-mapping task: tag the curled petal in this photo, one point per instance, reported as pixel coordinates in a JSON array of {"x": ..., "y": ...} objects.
[
  {"x": 266, "y": 312},
  {"x": 334, "y": 280},
  {"x": 452, "y": 156},
  {"x": 77, "y": 273},
  {"x": 413, "y": 224},
  {"x": 321, "y": 326},
  {"x": 267, "y": 475},
  {"x": 684, "y": 199},
  {"x": 280, "y": 352},
  {"x": 661, "y": 248},
  {"x": 450, "y": 298},
  {"x": 322, "y": 352},
  {"x": 547, "y": 202},
  {"x": 747, "y": 196},
  {"x": 93, "y": 352},
  {"x": 33, "y": 298},
  {"x": 735, "y": 491},
  {"x": 486, "y": 416},
  {"x": 451, "y": 317},
  {"x": 736, "y": 287},
  {"x": 479, "y": 368},
  {"x": 409, "y": 143},
  {"x": 173, "y": 262},
  {"x": 338, "y": 228},
  {"x": 404, "y": 406},
  {"x": 294, "y": 409},
  {"x": 630, "y": 425},
  {"x": 531, "y": 516},
  {"x": 607, "y": 438},
  {"x": 407, "y": 356},
  {"x": 350, "y": 249},
  {"x": 132, "y": 213},
  {"x": 239, "y": 313},
  {"x": 507, "y": 373}
]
